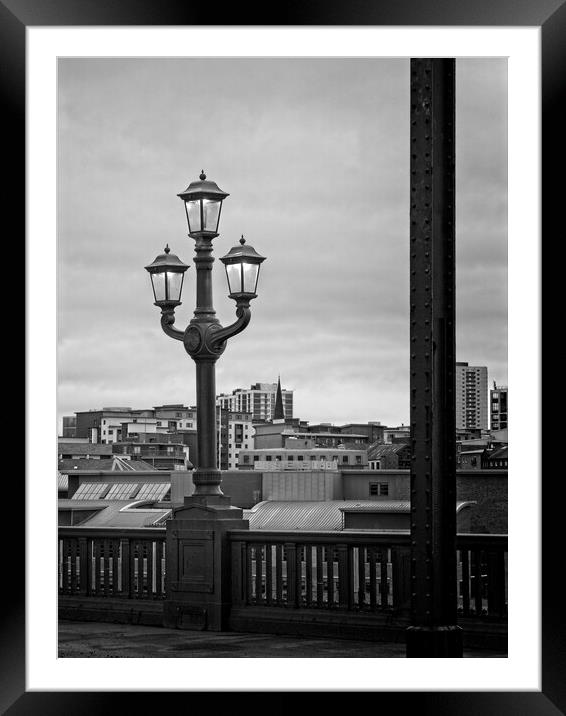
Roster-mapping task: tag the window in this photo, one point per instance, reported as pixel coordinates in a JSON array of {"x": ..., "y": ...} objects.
[
  {"x": 290, "y": 458},
  {"x": 137, "y": 449},
  {"x": 246, "y": 459},
  {"x": 300, "y": 457},
  {"x": 344, "y": 458},
  {"x": 358, "y": 459},
  {"x": 268, "y": 458},
  {"x": 256, "y": 458},
  {"x": 373, "y": 488},
  {"x": 383, "y": 488}
]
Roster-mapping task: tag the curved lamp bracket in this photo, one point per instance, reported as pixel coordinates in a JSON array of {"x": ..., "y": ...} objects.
[
  {"x": 243, "y": 314},
  {"x": 167, "y": 321}
]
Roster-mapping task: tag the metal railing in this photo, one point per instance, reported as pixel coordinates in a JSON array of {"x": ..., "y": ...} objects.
[
  {"x": 112, "y": 562},
  {"x": 358, "y": 571},
  {"x": 363, "y": 572}
]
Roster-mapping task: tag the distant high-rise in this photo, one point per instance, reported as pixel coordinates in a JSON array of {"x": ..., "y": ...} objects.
[
  {"x": 498, "y": 403},
  {"x": 471, "y": 397},
  {"x": 259, "y": 400}
]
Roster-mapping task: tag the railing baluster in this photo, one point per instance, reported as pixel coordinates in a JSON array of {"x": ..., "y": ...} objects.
[
  {"x": 106, "y": 561},
  {"x": 268, "y": 573},
  {"x": 343, "y": 581},
  {"x": 259, "y": 574},
  {"x": 308, "y": 575},
  {"x": 149, "y": 562},
  {"x": 464, "y": 555},
  {"x": 115, "y": 546},
  {"x": 126, "y": 569},
  {"x": 134, "y": 569},
  {"x": 372, "y": 559},
  {"x": 383, "y": 578},
  {"x": 319, "y": 577},
  {"x": 361, "y": 576},
  {"x": 73, "y": 544},
  {"x": 476, "y": 574},
  {"x": 330, "y": 575},
  {"x": 249, "y": 587},
  {"x": 97, "y": 589},
  {"x": 84, "y": 564},
  {"x": 299, "y": 571},
  {"x": 279, "y": 573},
  {"x": 157, "y": 548},
  {"x": 64, "y": 567},
  {"x": 291, "y": 560}
]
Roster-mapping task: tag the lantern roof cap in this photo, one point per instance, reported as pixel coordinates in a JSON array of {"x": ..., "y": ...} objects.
[
  {"x": 203, "y": 188},
  {"x": 166, "y": 261},
  {"x": 243, "y": 251}
]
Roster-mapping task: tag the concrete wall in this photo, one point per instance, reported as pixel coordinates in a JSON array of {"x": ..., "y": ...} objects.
[
  {"x": 302, "y": 485},
  {"x": 243, "y": 487},
  {"x": 356, "y": 484},
  {"x": 486, "y": 487}
]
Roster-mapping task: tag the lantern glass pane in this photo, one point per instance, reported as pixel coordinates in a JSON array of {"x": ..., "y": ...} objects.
[
  {"x": 211, "y": 212},
  {"x": 158, "y": 280},
  {"x": 174, "y": 285},
  {"x": 193, "y": 215},
  {"x": 233, "y": 273},
  {"x": 250, "y": 277}
]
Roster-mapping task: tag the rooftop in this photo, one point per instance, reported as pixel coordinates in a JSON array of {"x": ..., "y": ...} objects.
[{"x": 317, "y": 516}]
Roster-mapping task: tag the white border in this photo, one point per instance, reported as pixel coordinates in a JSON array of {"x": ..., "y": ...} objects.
[{"x": 521, "y": 670}]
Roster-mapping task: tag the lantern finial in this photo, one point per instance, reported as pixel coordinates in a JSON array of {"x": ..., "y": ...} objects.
[
  {"x": 242, "y": 240},
  {"x": 167, "y": 249},
  {"x": 202, "y": 176}
]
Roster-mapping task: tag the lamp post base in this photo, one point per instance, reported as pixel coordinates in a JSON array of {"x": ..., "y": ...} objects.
[
  {"x": 199, "y": 567},
  {"x": 435, "y": 642}
]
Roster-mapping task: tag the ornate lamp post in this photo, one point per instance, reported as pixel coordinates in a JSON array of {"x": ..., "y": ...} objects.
[{"x": 204, "y": 338}]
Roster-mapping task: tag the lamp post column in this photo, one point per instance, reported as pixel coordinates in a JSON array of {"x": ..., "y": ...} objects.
[{"x": 205, "y": 353}]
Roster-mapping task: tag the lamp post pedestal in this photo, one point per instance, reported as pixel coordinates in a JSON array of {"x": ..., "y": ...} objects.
[{"x": 198, "y": 578}]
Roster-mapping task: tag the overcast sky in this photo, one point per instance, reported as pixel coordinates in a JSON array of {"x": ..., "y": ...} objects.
[{"x": 315, "y": 156}]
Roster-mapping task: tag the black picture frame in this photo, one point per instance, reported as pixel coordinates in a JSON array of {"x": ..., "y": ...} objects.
[{"x": 15, "y": 17}]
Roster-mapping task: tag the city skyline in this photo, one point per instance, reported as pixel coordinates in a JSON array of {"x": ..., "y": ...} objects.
[{"x": 314, "y": 156}]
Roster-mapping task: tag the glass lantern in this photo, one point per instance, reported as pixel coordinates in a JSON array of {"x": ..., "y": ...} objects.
[
  {"x": 203, "y": 203},
  {"x": 167, "y": 273},
  {"x": 242, "y": 270}
]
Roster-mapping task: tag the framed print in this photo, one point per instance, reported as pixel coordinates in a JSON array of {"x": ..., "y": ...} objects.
[{"x": 145, "y": 48}]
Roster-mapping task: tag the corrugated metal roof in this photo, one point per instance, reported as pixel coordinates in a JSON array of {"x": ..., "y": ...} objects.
[
  {"x": 320, "y": 516},
  {"x": 115, "y": 513},
  {"x": 115, "y": 463},
  {"x": 381, "y": 449},
  {"x": 62, "y": 481}
]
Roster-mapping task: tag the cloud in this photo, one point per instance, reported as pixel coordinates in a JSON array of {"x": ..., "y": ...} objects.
[{"x": 314, "y": 155}]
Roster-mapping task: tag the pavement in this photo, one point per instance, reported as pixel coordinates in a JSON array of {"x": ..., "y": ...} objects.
[{"x": 103, "y": 640}]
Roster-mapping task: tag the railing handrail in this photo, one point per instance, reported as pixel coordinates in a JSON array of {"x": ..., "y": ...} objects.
[
  {"x": 392, "y": 537},
  {"x": 126, "y": 532},
  {"x": 401, "y": 538}
]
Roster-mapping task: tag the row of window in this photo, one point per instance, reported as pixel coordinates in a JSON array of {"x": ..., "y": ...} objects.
[{"x": 290, "y": 458}]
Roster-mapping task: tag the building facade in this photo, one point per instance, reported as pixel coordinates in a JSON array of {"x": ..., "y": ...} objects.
[
  {"x": 471, "y": 397},
  {"x": 498, "y": 407},
  {"x": 259, "y": 400},
  {"x": 308, "y": 458},
  {"x": 235, "y": 433}
]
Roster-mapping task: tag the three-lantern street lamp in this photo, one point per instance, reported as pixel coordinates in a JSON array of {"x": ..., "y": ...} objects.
[{"x": 204, "y": 338}]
